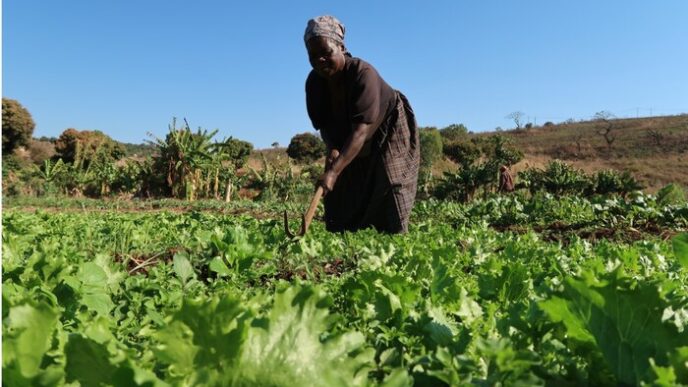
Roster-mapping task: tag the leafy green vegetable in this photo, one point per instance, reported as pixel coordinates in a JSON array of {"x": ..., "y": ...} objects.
[
  {"x": 182, "y": 267},
  {"x": 505, "y": 290},
  {"x": 27, "y": 334},
  {"x": 680, "y": 244},
  {"x": 622, "y": 318}
]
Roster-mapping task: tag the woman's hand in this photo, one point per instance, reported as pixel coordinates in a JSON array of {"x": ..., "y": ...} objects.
[
  {"x": 352, "y": 147},
  {"x": 327, "y": 180},
  {"x": 329, "y": 160},
  {"x": 329, "y": 177}
]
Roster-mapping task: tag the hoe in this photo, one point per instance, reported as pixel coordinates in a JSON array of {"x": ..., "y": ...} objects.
[{"x": 307, "y": 217}]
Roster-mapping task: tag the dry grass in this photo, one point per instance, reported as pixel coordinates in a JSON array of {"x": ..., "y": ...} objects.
[{"x": 654, "y": 150}]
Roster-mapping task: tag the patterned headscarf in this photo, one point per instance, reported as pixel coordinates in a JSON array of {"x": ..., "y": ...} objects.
[{"x": 327, "y": 26}]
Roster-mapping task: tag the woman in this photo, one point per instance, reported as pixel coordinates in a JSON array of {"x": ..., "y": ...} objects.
[
  {"x": 370, "y": 132},
  {"x": 506, "y": 182}
]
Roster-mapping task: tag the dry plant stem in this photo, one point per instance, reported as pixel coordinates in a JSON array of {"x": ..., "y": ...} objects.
[
  {"x": 143, "y": 264},
  {"x": 140, "y": 264}
]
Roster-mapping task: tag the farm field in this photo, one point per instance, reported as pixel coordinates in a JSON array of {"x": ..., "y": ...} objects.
[
  {"x": 653, "y": 149},
  {"x": 510, "y": 290},
  {"x": 153, "y": 177}
]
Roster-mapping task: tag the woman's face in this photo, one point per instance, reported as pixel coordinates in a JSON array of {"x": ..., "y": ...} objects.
[{"x": 326, "y": 56}]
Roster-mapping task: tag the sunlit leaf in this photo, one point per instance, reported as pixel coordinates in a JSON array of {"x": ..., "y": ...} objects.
[{"x": 680, "y": 244}]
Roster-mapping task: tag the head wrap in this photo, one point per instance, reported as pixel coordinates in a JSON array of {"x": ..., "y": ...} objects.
[{"x": 327, "y": 26}]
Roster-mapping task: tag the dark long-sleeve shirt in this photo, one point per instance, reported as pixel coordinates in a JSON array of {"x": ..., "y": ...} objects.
[{"x": 368, "y": 99}]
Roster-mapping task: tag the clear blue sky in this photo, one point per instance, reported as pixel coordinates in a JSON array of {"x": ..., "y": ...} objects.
[{"x": 127, "y": 67}]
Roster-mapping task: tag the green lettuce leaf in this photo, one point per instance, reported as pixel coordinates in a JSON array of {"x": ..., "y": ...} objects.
[
  {"x": 680, "y": 245},
  {"x": 27, "y": 337},
  {"x": 622, "y": 319},
  {"x": 288, "y": 343}
]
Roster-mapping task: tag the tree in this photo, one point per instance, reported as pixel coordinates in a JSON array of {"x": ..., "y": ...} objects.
[
  {"x": 603, "y": 115},
  {"x": 306, "y": 147},
  {"x": 17, "y": 125},
  {"x": 607, "y": 126},
  {"x": 516, "y": 117},
  {"x": 85, "y": 144},
  {"x": 41, "y": 150},
  {"x": 464, "y": 153},
  {"x": 430, "y": 147},
  {"x": 578, "y": 139},
  {"x": 500, "y": 151},
  {"x": 48, "y": 139},
  {"x": 454, "y": 132},
  {"x": 656, "y": 136},
  {"x": 237, "y": 151}
]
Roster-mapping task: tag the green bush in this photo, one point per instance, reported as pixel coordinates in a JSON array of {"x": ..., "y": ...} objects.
[
  {"x": 430, "y": 147},
  {"x": 560, "y": 179},
  {"x": 479, "y": 160},
  {"x": 457, "y": 186},
  {"x": 454, "y": 132},
  {"x": 463, "y": 153},
  {"x": 671, "y": 194},
  {"x": 557, "y": 178},
  {"x": 237, "y": 151},
  {"x": 498, "y": 148},
  {"x": 613, "y": 182},
  {"x": 306, "y": 148}
]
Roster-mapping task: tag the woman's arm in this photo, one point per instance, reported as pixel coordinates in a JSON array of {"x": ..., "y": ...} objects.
[
  {"x": 331, "y": 153},
  {"x": 349, "y": 151}
]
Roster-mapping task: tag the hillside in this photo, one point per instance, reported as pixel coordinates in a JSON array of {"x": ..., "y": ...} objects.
[{"x": 654, "y": 149}]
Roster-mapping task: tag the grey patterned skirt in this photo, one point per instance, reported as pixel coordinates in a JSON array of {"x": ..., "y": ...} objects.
[{"x": 378, "y": 189}]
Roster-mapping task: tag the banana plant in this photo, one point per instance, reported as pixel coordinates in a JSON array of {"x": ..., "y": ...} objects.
[
  {"x": 185, "y": 155},
  {"x": 102, "y": 170},
  {"x": 50, "y": 170},
  {"x": 50, "y": 173},
  {"x": 77, "y": 176}
]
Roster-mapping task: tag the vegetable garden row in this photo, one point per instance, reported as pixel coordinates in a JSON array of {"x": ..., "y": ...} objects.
[{"x": 507, "y": 290}]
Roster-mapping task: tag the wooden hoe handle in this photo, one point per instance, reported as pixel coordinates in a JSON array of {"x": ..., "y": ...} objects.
[
  {"x": 307, "y": 217},
  {"x": 311, "y": 210}
]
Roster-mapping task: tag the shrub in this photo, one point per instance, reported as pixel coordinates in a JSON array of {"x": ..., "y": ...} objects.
[
  {"x": 557, "y": 178},
  {"x": 430, "y": 147},
  {"x": 479, "y": 160},
  {"x": 237, "y": 151},
  {"x": 612, "y": 182},
  {"x": 671, "y": 194},
  {"x": 498, "y": 149},
  {"x": 454, "y": 132},
  {"x": 464, "y": 153},
  {"x": 306, "y": 148}
]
